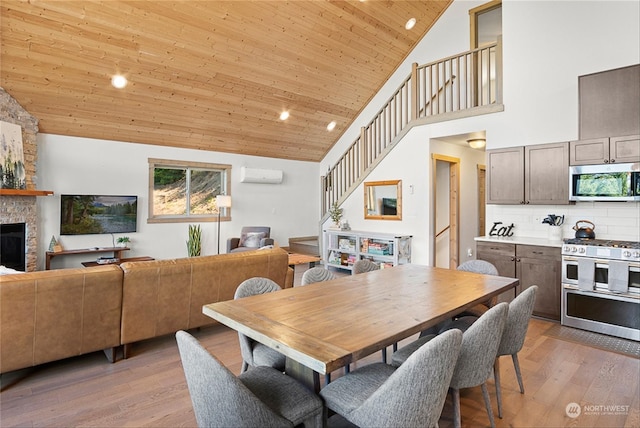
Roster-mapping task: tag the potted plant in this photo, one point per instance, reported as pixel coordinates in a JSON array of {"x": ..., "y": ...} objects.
[
  {"x": 336, "y": 214},
  {"x": 194, "y": 241},
  {"x": 123, "y": 241}
]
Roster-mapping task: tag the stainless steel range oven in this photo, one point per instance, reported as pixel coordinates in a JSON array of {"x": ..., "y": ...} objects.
[{"x": 601, "y": 286}]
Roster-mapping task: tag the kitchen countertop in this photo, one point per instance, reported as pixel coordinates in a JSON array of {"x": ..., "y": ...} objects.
[{"x": 521, "y": 240}]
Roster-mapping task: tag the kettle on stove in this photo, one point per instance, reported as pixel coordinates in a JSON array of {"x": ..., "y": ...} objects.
[{"x": 584, "y": 232}]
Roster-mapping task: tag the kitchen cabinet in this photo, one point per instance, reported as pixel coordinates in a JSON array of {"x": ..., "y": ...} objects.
[
  {"x": 605, "y": 150},
  {"x": 537, "y": 174},
  {"x": 532, "y": 265},
  {"x": 609, "y": 103},
  {"x": 342, "y": 248}
]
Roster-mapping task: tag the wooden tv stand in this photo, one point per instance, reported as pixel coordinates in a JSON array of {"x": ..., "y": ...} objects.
[
  {"x": 117, "y": 253},
  {"x": 120, "y": 261}
]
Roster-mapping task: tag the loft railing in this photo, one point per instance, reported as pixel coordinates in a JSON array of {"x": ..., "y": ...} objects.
[{"x": 438, "y": 90}]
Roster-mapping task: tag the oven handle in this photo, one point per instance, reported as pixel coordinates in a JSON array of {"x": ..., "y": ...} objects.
[
  {"x": 632, "y": 265},
  {"x": 575, "y": 259}
]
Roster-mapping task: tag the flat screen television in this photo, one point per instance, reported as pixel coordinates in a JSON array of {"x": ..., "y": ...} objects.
[{"x": 95, "y": 214}]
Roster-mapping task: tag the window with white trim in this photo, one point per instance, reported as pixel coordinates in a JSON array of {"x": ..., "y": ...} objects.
[{"x": 182, "y": 191}]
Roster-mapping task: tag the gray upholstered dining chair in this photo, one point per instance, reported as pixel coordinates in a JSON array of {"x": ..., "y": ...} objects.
[
  {"x": 364, "y": 265},
  {"x": 251, "y": 238},
  {"x": 484, "y": 267},
  {"x": 401, "y": 355},
  {"x": 468, "y": 315},
  {"x": 479, "y": 350},
  {"x": 255, "y": 353},
  {"x": 461, "y": 321},
  {"x": 462, "y": 324},
  {"x": 515, "y": 330},
  {"x": 411, "y": 396},
  {"x": 478, "y": 266},
  {"x": 260, "y": 397},
  {"x": 477, "y": 356},
  {"x": 316, "y": 274},
  {"x": 311, "y": 276}
]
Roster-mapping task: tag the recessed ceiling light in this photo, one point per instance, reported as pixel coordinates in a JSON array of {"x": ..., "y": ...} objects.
[
  {"x": 119, "y": 81},
  {"x": 331, "y": 125},
  {"x": 410, "y": 23},
  {"x": 284, "y": 115}
]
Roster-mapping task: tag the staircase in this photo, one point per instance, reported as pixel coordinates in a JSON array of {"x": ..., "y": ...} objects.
[{"x": 466, "y": 84}]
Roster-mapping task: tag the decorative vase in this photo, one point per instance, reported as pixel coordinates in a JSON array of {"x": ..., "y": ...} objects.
[{"x": 555, "y": 233}]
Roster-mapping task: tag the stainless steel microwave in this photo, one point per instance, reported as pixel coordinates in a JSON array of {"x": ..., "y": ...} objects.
[{"x": 607, "y": 182}]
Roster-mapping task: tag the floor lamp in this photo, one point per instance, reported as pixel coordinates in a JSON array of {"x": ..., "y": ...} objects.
[{"x": 222, "y": 201}]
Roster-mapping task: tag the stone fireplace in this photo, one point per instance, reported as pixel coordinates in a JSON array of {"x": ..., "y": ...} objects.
[{"x": 22, "y": 207}]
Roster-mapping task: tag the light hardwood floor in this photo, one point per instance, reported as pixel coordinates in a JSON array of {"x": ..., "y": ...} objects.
[{"x": 149, "y": 388}]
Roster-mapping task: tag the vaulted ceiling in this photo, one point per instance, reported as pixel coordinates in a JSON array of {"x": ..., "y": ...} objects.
[{"x": 210, "y": 75}]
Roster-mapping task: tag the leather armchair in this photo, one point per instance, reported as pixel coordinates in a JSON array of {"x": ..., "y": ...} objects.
[{"x": 251, "y": 238}]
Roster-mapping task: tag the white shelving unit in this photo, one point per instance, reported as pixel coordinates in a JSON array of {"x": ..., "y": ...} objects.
[{"x": 342, "y": 248}]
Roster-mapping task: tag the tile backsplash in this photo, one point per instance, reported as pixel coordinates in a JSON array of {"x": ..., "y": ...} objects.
[{"x": 612, "y": 220}]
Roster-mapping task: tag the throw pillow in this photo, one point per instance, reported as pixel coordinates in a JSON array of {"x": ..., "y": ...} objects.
[{"x": 252, "y": 239}]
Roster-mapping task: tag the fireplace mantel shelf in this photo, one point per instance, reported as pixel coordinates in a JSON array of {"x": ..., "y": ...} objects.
[{"x": 25, "y": 192}]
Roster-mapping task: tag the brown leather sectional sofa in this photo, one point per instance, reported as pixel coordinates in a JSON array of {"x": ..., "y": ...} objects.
[{"x": 50, "y": 315}]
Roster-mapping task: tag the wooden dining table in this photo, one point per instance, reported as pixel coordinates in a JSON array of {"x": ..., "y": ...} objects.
[{"x": 324, "y": 326}]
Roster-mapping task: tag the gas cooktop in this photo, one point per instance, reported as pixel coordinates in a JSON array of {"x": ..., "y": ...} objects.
[
  {"x": 602, "y": 248},
  {"x": 603, "y": 243}
]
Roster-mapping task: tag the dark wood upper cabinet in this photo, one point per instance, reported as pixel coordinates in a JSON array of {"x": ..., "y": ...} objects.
[
  {"x": 605, "y": 150},
  {"x": 610, "y": 103},
  {"x": 546, "y": 172},
  {"x": 537, "y": 174},
  {"x": 505, "y": 176}
]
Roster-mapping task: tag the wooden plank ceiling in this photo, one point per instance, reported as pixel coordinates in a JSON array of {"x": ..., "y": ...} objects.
[{"x": 210, "y": 75}]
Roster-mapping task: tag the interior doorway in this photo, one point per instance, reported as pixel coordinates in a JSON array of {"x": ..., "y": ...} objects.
[{"x": 446, "y": 210}]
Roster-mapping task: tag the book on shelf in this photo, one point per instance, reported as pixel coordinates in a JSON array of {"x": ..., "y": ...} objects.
[
  {"x": 346, "y": 244},
  {"x": 107, "y": 260}
]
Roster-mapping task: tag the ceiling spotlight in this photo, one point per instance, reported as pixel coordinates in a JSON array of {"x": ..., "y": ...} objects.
[
  {"x": 477, "y": 143},
  {"x": 284, "y": 115},
  {"x": 119, "y": 81},
  {"x": 331, "y": 125},
  {"x": 410, "y": 23}
]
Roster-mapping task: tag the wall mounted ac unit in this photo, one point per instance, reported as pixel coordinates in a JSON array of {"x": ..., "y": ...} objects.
[{"x": 265, "y": 176}]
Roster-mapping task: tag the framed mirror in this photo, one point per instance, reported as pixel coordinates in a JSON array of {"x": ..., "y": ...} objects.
[{"x": 383, "y": 200}]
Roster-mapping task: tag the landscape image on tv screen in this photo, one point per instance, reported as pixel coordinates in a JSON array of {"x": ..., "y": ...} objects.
[{"x": 95, "y": 214}]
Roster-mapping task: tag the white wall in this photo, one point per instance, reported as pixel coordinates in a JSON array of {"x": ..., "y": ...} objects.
[
  {"x": 547, "y": 45},
  {"x": 70, "y": 165},
  {"x": 411, "y": 162}
]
